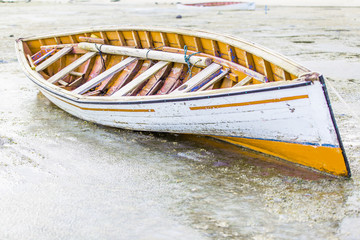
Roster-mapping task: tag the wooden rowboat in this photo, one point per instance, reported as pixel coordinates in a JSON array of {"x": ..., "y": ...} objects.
[
  {"x": 217, "y": 6},
  {"x": 190, "y": 82}
]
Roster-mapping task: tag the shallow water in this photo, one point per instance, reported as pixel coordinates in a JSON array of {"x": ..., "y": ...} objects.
[{"x": 64, "y": 178}]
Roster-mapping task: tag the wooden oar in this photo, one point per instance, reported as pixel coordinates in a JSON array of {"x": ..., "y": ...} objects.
[{"x": 146, "y": 54}]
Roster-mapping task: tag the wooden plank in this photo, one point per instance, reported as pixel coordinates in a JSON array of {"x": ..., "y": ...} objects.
[
  {"x": 147, "y": 54},
  {"x": 37, "y": 61},
  {"x": 243, "y": 82},
  {"x": 92, "y": 40},
  {"x": 96, "y": 80},
  {"x": 62, "y": 73},
  {"x": 53, "y": 58},
  {"x": 198, "y": 79},
  {"x": 76, "y": 81},
  {"x": 58, "y": 46},
  {"x": 214, "y": 80},
  {"x": 140, "y": 79},
  {"x": 76, "y": 74}
]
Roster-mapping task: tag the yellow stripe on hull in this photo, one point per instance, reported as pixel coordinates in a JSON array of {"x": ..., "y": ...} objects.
[{"x": 327, "y": 159}]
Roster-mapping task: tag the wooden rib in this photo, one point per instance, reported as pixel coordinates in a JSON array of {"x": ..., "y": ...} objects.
[
  {"x": 198, "y": 45},
  {"x": 164, "y": 39},
  {"x": 145, "y": 66},
  {"x": 88, "y": 67},
  {"x": 103, "y": 36},
  {"x": 243, "y": 81},
  {"x": 148, "y": 39},
  {"x": 214, "y": 80},
  {"x": 53, "y": 59},
  {"x": 197, "y": 79},
  {"x": 269, "y": 72},
  {"x": 72, "y": 39},
  {"x": 96, "y": 80},
  {"x": 140, "y": 79},
  {"x": 25, "y": 47},
  {"x": 136, "y": 39},
  {"x": 232, "y": 54},
  {"x": 97, "y": 67},
  {"x": 57, "y": 40},
  {"x": 113, "y": 60},
  {"x": 41, "y": 42},
  {"x": 215, "y": 48},
  {"x": 154, "y": 83},
  {"x": 121, "y": 38},
  {"x": 172, "y": 79},
  {"x": 250, "y": 61},
  {"x": 179, "y": 40},
  {"x": 62, "y": 73},
  {"x": 125, "y": 76}
]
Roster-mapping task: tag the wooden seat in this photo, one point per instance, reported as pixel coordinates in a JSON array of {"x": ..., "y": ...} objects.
[
  {"x": 198, "y": 79},
  {"x": 214, "y": 80},
  {"x": 98, "y": 79},
  {"x": 53, "y": 59},
  {"x": 65, "y": 71},
  {"x": 140, "y": 79}
]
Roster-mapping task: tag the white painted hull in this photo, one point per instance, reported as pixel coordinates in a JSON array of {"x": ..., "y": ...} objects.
[{"x": 290, "y": 120}]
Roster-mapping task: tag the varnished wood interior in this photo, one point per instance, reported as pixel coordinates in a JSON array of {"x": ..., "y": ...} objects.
[{"x": 231, "y": 58}]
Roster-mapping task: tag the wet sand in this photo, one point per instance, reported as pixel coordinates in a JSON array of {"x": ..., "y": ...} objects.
[{"x": 64, "y": 178}]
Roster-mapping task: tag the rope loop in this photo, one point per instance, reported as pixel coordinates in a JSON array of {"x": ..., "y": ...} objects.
[
  {"x": 102, "y": 58},
  {"x": 187, "y": 60}
]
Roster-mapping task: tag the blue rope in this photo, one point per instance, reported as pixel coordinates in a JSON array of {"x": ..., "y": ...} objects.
[{"x": 187, "y": 59}]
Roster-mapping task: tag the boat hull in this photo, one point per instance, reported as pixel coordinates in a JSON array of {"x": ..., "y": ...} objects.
[{"x": 291, "y": 122}]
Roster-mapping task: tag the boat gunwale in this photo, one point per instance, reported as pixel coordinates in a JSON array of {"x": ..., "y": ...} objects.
[
  {"x": 248, "y": 46},
  {"x": 40, "y": 81}
]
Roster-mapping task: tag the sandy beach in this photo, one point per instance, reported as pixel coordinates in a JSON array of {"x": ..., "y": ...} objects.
[{"x": 64, "y": 178}]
